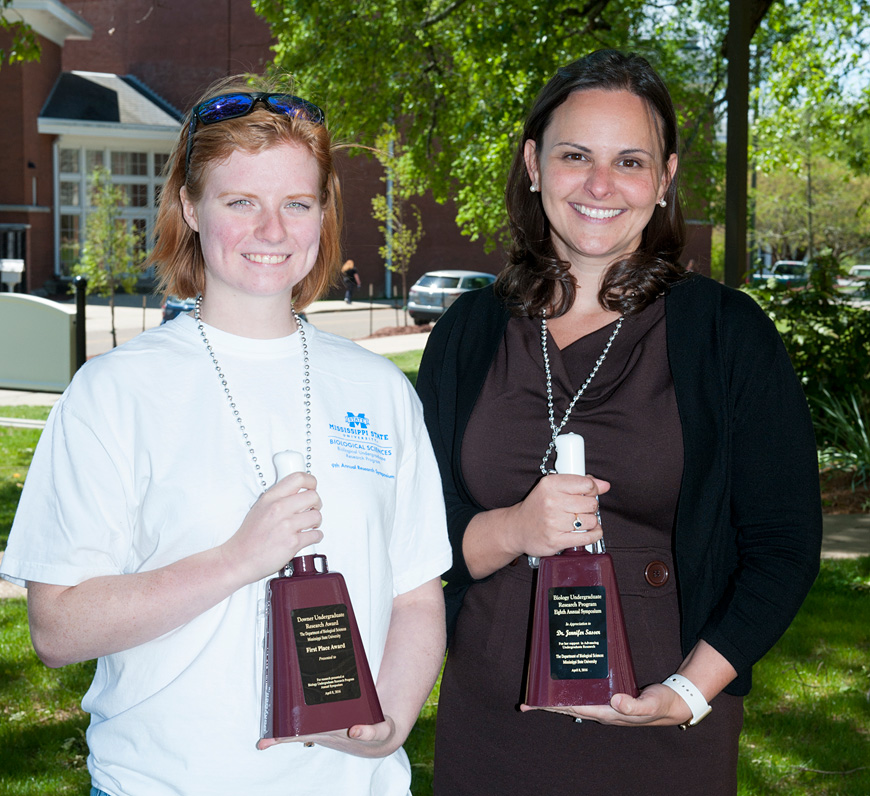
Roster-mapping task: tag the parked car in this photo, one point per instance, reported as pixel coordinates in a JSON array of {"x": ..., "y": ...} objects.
[
  {"x": 173, "y": 306},
  {"x": 435, "y": 291},
  {"x": 858, "y": 279},
  {"x": 788, "y": 273}
]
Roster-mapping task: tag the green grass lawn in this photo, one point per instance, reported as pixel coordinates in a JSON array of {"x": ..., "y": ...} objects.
[
  {"x": 16, "y": 450},
  {"x": 408, "y": 362},
  {"x": 42, "y": 727},
  {"x": 807, "y": 728}
]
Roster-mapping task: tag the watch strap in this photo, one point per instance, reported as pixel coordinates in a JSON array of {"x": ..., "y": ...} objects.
[{"x": 691, "y": 696}]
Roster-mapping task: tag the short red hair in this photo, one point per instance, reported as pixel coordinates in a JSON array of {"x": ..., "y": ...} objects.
[{"x": 177, "y": 255}]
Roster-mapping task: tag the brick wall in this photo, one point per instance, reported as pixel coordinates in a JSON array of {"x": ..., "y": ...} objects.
[
  {"x": 176, "y": 48},
  {"x": 26, "y": 156}
]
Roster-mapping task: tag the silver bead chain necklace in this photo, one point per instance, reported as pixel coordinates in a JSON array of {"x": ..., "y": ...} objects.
[
  {"x": 553, "y": 427},
  {"x": 306, "y": 392}
]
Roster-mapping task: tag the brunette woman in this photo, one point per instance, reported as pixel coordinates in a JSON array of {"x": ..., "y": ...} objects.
[{"x": 697, "y": 435}]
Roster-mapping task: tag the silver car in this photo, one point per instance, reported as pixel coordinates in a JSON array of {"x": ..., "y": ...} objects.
[
  {"x": 858, "y": 280},
  {"x": 435, "y": 291},
  {"x": 788, "y": 273}
]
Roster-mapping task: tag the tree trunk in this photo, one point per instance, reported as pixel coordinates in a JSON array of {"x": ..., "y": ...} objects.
[{"x": 112, "y": 311}]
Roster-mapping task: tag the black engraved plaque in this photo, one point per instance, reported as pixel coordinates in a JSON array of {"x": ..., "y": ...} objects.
[
  {"x": 324, "y": 647},
  {"x": 578, "y": 632}
]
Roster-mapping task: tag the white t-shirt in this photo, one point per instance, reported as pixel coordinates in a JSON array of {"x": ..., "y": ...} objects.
[{"x": 141, "y": 464}]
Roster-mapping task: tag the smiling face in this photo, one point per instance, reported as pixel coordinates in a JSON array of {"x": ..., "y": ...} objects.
[
  {"x": 259, "y": 223},
  {"x": 600, "y": 173}
]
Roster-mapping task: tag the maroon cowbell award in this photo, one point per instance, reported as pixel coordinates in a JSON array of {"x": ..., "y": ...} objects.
[
  {"x": 317, "y": 677},
  {"x": 579, "y": 648}
]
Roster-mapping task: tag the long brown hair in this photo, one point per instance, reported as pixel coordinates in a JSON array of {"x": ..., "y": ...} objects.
[
  {"x": 535, "y": 279},
  {"x": 177, "y": 253}
]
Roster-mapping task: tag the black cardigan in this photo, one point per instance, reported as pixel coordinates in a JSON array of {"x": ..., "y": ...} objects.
[{"x": 748, "y": 525}]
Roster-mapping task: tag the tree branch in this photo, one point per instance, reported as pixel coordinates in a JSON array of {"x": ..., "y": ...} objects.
[
  {"x": 441, "y": 15},
  {"x": 710, "y": 110},
  {"x": 592, "y": 12}
]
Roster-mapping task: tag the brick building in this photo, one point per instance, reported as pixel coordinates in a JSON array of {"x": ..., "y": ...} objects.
[{"x": 112, "y": 82}]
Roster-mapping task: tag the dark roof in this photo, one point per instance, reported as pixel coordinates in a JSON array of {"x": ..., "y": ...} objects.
[{"x": 104, "y": 97}]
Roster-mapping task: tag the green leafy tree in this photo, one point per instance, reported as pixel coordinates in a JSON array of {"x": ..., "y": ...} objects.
[
  {"x": 812, "y": 71},
  {"x": 112, "y": 248},
  {"x": 839, "y": 203},
  {"x": 811, "y": 101},
  {"x": 400, "y": 221},
  {"x": 20, "y": 42},
  {"x": 827, "y": 339},
  {"x": 458, "y": 76}
]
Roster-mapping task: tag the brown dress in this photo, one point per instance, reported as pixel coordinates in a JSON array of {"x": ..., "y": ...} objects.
[{"x": 628, "y": 417}]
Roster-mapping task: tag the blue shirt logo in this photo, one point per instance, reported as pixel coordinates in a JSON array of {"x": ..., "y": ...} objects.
[{"x": 357, "y": 421}]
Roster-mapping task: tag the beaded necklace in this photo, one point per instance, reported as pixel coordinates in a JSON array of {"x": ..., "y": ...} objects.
[{"x": 306, "y": 392}]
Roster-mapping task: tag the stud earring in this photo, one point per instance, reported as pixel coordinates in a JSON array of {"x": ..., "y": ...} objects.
[
  {"x": 533, "y": 187},
  {"x": 663, "y": 202}
]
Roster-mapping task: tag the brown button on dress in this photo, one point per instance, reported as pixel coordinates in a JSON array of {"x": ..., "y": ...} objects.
[
  {"x": 629, "y": 420},
  {"x": 657, "y": 573}
]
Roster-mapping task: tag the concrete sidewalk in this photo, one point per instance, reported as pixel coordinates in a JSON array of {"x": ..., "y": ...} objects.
[
  {"x": 131, "y": 319},
  {"x": 846, "y": 535}
]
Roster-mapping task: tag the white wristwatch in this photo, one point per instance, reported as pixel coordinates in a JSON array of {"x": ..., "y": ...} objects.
[{"x": 692, "y": 697}]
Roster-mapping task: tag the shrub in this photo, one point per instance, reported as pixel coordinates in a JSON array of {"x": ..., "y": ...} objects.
[
  {"x": 843, "y": 431},
  {"x": 827, "y": 339}
]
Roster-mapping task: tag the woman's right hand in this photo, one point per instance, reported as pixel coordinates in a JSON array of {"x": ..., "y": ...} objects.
[
  {"x": 540, "y": 525},
  {"x": 285, "y": 519},
  {"x": 543, "y": 523}
]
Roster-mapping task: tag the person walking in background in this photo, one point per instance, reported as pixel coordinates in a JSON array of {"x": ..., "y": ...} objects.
[
  {"x": 350, "y": 279},
  {"x": 154, "y": 557},
  {"x": 698, "y": 439}
]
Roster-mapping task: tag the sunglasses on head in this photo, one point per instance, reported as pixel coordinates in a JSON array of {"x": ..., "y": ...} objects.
[{"x": 241, "y": 103}]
